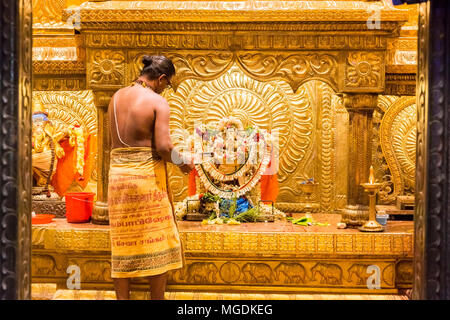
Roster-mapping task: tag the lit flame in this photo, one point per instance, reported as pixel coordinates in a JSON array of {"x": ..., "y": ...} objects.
[{"x": 371, "y": 178}]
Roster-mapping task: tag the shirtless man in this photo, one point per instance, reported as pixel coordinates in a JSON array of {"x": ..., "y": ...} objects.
[{"x": 141, "y": 117}]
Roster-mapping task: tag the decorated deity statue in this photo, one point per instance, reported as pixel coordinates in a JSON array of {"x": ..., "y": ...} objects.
[
  {"x": 230, "y": 164},
  {"x": 45, "y": 147},
  {"x": 60, "y": 154}
]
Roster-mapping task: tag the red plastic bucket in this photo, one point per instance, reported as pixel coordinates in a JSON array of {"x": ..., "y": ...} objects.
[{"x": 79, "y": 206}]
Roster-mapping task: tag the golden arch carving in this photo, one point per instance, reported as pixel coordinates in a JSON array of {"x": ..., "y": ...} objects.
[
  {"x": 293, "y": 68},
  {"x": 398, "y": 143},
  {"x": 64, "y": 108}
]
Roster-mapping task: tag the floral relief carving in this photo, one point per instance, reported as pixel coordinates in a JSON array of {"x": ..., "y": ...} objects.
[
  {"x": 364, "y": 69},
  {"x": 201, "y": 66},
  {"x": 108, "y": 67}
]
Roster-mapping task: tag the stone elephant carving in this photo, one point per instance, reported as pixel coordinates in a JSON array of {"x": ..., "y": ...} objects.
[
  {"x": 96, "y": 271},
  {"x": 175, "y": 276},
  {"x": 359, "y": 271},
  {"x": 293, "y": 272},
  {"x": 329, "y": 273},
  {"x": 200, "y": 272},
  {"x": 43, "y": 265},
  {"x": 257, "y": 273}
]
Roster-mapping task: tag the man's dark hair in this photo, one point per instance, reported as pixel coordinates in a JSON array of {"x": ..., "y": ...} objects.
[{"x": 155, "y": 66}]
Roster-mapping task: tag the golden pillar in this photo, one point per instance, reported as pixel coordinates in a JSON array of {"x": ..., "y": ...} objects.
[
  {"x": 100, "y": 212},
  {"x": 360, "y": 108}
]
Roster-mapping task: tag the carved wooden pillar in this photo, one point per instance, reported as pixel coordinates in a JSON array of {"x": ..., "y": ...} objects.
[
  {"x": 15, "y": 149},
  {"x": 360, "y": 108},
  {"x": 432, "y": 214}
]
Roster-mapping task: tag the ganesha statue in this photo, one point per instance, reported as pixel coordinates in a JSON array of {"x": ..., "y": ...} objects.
[
  {"x": 45, "y": 148},
  {"x": 61, "y": 158}
]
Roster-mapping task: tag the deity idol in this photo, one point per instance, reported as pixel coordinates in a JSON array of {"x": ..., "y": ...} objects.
[
  {"x": 231, "y": 162},
  {"x": 45, "y": 147},
  {"x": 60, "y": 154}
]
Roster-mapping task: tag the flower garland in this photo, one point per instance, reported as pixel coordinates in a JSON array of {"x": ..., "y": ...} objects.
[
  {"x": 244, "y": 168},
  {"x": 210, "y": 186},
  {"x": 257, "y": 142},
  {"x": 261, "y": 138},
  {"x": 77, "y": 138},
  {"x": 229, "y": 122}
]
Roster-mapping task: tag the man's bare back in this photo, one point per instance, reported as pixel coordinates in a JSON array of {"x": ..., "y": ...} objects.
[
  {"x": 142, "y": 119},
  {"x": 135, "y": 115}
]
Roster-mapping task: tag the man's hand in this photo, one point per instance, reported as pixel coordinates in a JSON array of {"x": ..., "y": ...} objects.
[
  {"x": 186, "y": 168},
  {"x": 188, "y": 164}
]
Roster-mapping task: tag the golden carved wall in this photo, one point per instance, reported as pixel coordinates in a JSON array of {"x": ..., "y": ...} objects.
[
  {"x": 309, "y": 121},
  {"x": 66, "y": 108},
  {"x": 308, "y": 113},
  {"x": 211, "y": 42},
  {"x": 47, "y": 11}
]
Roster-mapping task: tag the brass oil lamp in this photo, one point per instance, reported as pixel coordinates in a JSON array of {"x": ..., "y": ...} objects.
[
  {"x": 372, "y": 188},
  {"x": 308, "y": 188}
]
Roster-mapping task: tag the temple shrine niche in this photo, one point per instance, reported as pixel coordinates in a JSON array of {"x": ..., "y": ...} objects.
[
  {"x": 331, "y": 82},
  {"x": 64, "y": 144}
]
